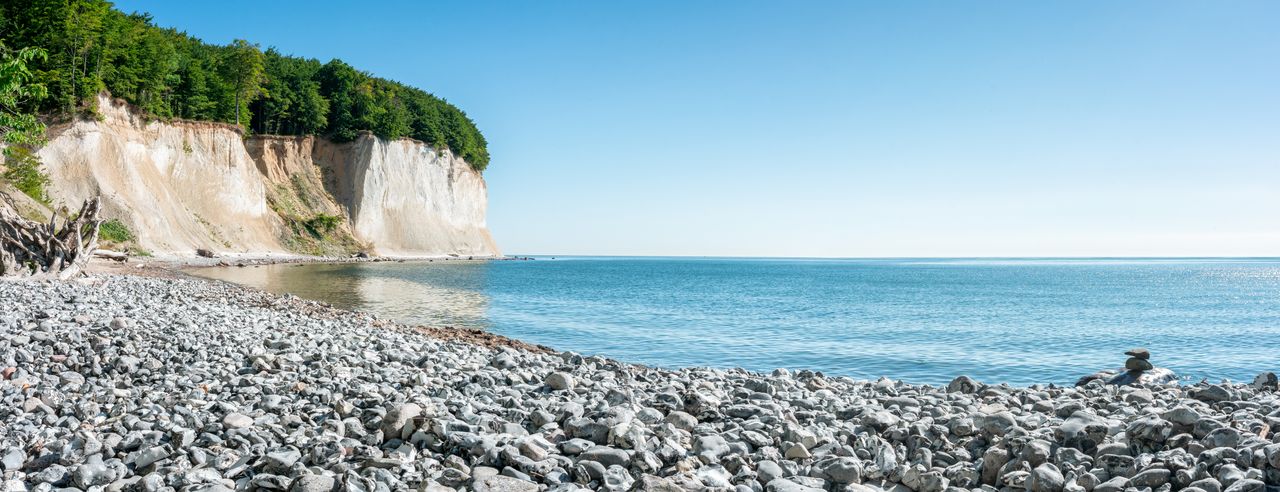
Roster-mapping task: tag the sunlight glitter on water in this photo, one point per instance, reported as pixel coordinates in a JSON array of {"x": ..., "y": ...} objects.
[{"x": 1020, "y": 321}]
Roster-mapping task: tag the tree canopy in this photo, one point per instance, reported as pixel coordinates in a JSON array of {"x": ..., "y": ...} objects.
[
  {"x": 16, "y": 88},
  {"x": 93, "y": 47},
  {"x": 19, "y": 129}
]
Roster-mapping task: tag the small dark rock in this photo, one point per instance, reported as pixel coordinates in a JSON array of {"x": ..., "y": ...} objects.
[{"x": 1138, "y": 364}]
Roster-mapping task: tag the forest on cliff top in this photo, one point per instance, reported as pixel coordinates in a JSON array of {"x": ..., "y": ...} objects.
[{"x": 91, "y": 47}]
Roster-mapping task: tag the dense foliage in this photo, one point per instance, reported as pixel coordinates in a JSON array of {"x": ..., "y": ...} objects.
[
  {"x": 323, "y": 224},
  {"x": 19, "y": 128},
  {"x": 114, "y": 231},
  {"x": 93, "y": 47},
  {"x": 22, "y": 170},
  {"x": 18, "y": 88}
]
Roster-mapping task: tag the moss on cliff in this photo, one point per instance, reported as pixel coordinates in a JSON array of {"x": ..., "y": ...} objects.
[{"x": 308, "y": 228}]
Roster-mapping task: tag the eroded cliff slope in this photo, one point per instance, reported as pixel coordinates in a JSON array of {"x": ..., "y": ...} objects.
[
  {"x": 181, "y": 186},
  {"x": 178, "y": 186}
]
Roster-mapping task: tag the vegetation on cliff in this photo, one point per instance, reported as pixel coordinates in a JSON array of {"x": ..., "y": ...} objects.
[
  {"x": 93, "y": 47},
  {"x": 19, "y": 129}
]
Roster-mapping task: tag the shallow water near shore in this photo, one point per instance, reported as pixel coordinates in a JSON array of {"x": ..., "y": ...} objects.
[{"x": 1021, "y": 321}]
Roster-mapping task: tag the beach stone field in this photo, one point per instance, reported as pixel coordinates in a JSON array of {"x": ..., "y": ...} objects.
[{"x": 130, "y": 383}]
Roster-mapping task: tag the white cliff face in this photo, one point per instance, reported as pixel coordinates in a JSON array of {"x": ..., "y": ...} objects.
[
  {"x": 182, "y": 186},
  {"x": 178, "y": 186},
  {"x": 407, "y": 198}
]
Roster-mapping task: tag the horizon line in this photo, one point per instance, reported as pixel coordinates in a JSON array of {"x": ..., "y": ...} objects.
[{"x": 579, "y": 255}]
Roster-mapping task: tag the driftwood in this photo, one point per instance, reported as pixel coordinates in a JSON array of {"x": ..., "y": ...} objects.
[
  {"x": 111, "y": 255},
  {"x": 31, "y": 249}
]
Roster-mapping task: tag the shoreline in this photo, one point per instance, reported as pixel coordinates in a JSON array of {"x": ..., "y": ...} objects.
[
  {"x": 259, "y": 259},
  {"x": 180, "y": 270},
  {"x": 181, "y": 265},
  {"x": 343, "y": 400}
]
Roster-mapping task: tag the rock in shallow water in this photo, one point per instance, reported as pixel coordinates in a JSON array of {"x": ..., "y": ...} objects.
[
  {"x": 1266, "y": 381},
  {"x": 963, "y": 384},
  {"x": 1137, "y": 371},
  {"x": 1155, "y": 376}
]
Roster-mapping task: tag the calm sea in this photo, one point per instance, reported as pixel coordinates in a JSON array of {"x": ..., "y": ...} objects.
[{"x": 1020, "y": 321}]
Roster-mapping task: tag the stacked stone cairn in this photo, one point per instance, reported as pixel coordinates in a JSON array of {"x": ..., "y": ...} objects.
[{"x": 1139, "y": 360}]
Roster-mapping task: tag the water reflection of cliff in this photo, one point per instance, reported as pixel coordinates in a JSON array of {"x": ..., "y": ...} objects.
[{"x": 433, "y": 294}]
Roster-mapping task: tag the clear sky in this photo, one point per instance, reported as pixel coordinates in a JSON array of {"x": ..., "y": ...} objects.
[{"x": 834, "y": 128}]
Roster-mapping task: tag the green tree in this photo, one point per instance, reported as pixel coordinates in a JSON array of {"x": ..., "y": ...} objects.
[
  {"x": 83, "y": 30},
  {"x": 291, "y": 101},
  {"x": 16, "y": 88},
  {"x": 21, "y": 130},
  {"x": 140, "y": 63},
  {"x": 243, "y": 67},
  {"x": 339, "y": 83}
]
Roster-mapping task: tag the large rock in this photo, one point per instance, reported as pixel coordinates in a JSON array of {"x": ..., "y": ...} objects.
[
  {"x": 1212, "y": 393},
  {"x": 606, "y": 455},
  {"x": 784, "y": 485},
  {"x": 1153, "y": 478},
  {"x": 313, "y": 483},
  {"x": 1122, "y": 377},
  {"x": 500, "y": 483},
  {"x": 1247, "y": 485},
  {"x": 844, "y": 470},
  {"x": 237, "y": 421},
  {"x": 559, "y": 381},
  {"x": 1266, "y": 381},
  {"x": 1045, "y": 478},
  {"x": 397, "y": 417},
  {"x": 710, "y": 448},
  {"x": 963, "y": 384},
  {"x": 93, "y": 474}
]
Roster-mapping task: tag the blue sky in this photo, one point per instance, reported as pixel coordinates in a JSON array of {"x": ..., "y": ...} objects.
[{"x": 835, "y": 128}]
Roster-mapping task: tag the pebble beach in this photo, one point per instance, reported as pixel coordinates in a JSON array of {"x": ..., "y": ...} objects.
[{"x": 134, "y": 383}]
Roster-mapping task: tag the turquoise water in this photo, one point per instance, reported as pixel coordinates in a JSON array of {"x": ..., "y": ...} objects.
[{"x": 922, "y": 321}]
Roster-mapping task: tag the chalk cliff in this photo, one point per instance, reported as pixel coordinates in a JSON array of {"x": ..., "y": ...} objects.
[
  {"x": 404, "y": 196},
  {"x": 178, "y": 186},
  {"x": 183, "y": 185}
]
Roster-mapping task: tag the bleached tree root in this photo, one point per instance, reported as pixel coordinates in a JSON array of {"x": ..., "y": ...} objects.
[{"x": 32, "y": 249}]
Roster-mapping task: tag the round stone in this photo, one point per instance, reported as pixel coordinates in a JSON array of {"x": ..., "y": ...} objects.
[
  {"x": 559, "y": 381},
  {"x": 1137, "y": 364},
  {"x": 237, "y": 421}
]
